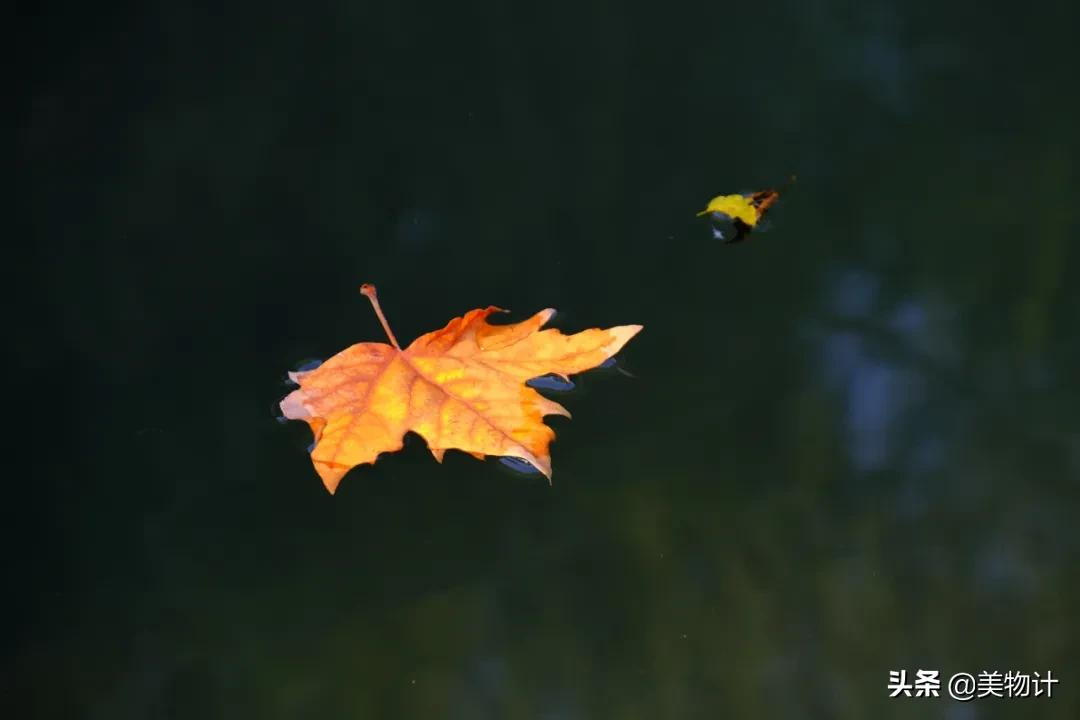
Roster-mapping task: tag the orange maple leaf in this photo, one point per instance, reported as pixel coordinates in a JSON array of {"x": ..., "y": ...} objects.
[{"x": 462, "y": 387}]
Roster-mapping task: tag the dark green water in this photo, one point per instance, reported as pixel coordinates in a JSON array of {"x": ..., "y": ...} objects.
[{"x": 852, "y": 444}]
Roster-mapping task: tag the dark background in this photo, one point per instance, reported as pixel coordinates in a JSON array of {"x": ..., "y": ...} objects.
[{"x": 851, "y": 444}]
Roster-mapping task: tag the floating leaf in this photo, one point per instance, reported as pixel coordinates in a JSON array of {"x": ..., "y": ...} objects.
[
  {"x": 744, "y": 211},
  {"x": 463, "y": 387}
]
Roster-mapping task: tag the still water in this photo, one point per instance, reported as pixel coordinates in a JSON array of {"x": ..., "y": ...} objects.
[{"x": 847, "y": 446}]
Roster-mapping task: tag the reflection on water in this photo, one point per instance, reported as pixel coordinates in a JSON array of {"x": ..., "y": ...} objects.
[
  {"x": 302, "y": 367},
  {"x": 851, "y": 448},
  {"x": 552, "y": 382},
  {"x": 882, "y": 357},
  {"x": 519, "y": 466},
  {"x": 852, "y": 293},
  {"x": 722, "y": 227}
]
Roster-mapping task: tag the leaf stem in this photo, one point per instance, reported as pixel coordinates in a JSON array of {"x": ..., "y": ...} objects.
[{"x": 368, "y": 290}]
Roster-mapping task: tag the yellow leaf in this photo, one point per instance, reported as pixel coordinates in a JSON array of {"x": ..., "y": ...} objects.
[
  {"x": 737, "y": 207},
  {"x": 744, "y": 210}
]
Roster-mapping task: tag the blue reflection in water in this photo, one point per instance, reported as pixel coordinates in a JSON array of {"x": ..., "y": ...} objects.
[
  {"x": 722, "y": 226},
  {"x": 876, "y": 397},
  {"x": 613, "y": 364},
  {"x": 276, "y": 413},
  {"x": 880, "y": 392},
  {"x": 843, "y": 353},
  {"x": 877, "y": 394},
  {"x": 551, "y": 382},
  {"x": 853, "y": 293},
  {"x": 559, "y": 384},
  {"x": 308, "y": 365},
  {"x": 909, "y": 319},
  {"x": 518, "y": 465}
]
